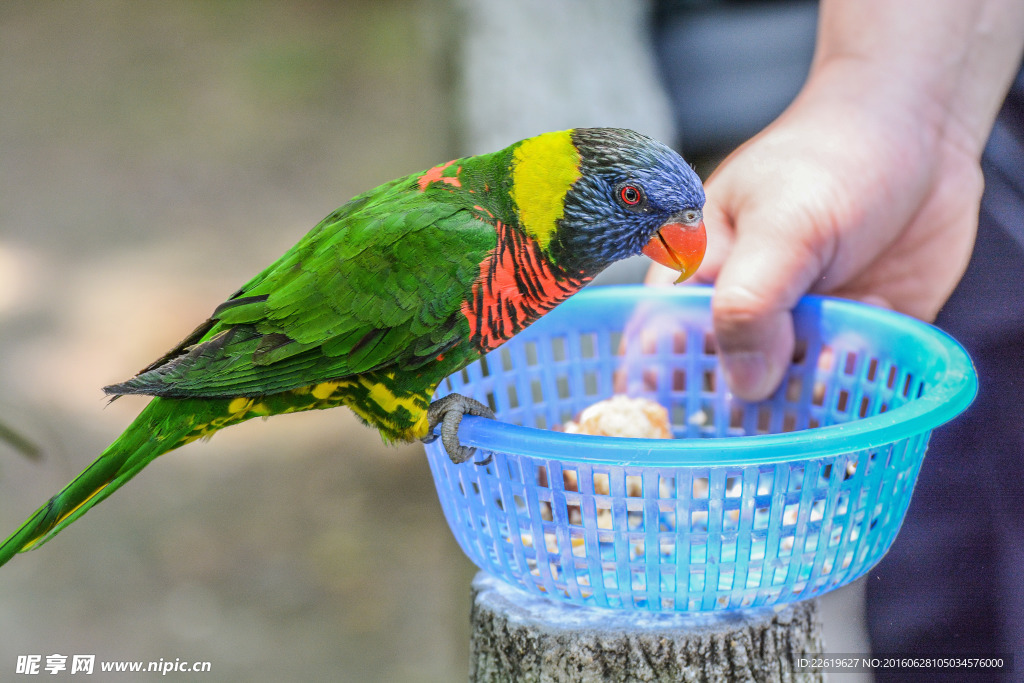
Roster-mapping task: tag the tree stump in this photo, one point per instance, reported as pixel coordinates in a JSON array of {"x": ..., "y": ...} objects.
[{"x": 525, "y": 638}]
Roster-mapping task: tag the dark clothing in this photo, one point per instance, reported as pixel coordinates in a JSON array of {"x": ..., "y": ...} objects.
[{"x": 953, "y": 582}]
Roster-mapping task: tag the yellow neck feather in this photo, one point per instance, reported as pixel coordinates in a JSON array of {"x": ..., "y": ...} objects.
[{"x": 543, "y": 170}]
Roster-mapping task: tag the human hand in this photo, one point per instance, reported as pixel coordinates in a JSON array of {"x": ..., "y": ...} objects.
[{"x": 848, "y": 193}]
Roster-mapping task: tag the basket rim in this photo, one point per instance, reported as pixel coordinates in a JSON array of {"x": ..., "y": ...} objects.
[{"x": 942, "y": 402}]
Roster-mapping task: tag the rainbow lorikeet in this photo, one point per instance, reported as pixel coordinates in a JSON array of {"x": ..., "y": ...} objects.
[{"x": 402, "y": 286}]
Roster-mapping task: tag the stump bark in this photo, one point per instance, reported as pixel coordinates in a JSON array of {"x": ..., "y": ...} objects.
[{"x": 524, "y": 638}]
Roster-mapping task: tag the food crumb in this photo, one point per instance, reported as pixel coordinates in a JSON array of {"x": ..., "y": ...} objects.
[{"x": 637, "y": 418}]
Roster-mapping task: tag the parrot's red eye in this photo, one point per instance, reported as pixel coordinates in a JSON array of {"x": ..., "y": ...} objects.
[{"x": 630, "y": 195}]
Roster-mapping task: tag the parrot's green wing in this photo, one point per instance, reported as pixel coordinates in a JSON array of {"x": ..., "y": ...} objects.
[{"x": 379, "y": 282}]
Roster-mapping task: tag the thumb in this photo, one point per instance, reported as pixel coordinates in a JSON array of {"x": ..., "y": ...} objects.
[{"x": 766, "y": 272}]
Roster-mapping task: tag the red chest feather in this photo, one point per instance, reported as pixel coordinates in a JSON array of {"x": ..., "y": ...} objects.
[{"x": 517, "y": 285}]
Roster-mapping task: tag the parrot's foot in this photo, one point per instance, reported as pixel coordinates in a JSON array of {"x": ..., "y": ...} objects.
[{"x": 448, "y": 412}]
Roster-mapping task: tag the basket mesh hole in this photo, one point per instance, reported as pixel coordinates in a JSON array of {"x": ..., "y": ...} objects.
[
  {"x": 545, "y": 511},
  {"x": 789, "y": 514},
  {"x": 619, "y": 380},
  {"x": 485, "y": 370},
  {"x": 799, "y": 351},
  {"x": 634, "y": 486},
  {"x": 794, "y": 387},
  {"x": 725, "y": 579},
  {"x": 530, "y": 351},
  {"x": 616, "y": 341},
  {"x": 648, "y": 342},
  {"x": 574, "y": 515},
  {"x": 865, "y": 405},
  {"x": 890, "y": 381},
  {"x": 709, "y": 381},
  {"x": 667, "y": 520},
  {"x": 700, "y": 487},
  {"x": 542, "y": 476},
  {"x": 788, "y": 421},
  {"x": 513, "y": 397},
  {"x": 817, "y": 510},
  {"x": 579, "y": 548},
  {"x": 843, "y": 401},
  {"x": 761, "y": 518},
  {"x": 558, "y": 350},
  {"x": 588, "y": 345},
  {"x": 590, "y": 385},
  {"x": 736, "y": 417},
  {"x": 699, "y": 520},
  {"x": 679, "y": 379},
  {"x": 733, "y": 487},
  {"x": 796, "y": 478},
  {"x": 705, "y": 416},
  {"x": 506, "y": 360},
  {"x": 730, "y": 522},
  {"x": 826, "y": 358},
  {"x": 699, "y": 553},
  {"x": 601, "y": 486},
  {"x": 765, "y": 480},
  {"x": 851, "y": 364},
  {"x": 872, "y": 370},
  {"x": 679, "y": 342},
  {"x": 604, "y": 515},
  {"x": 677, "y": 414},
  {"x": 764, "y": 417},
  {"x": 606, "y": 549},
  {"x": 710, "y": 347},
  {"x": 818, "y": 395},
  {"x": 562, "y": 386},
  {"x": 551, "y": 545},
  {"x": 635, "y": 520}
]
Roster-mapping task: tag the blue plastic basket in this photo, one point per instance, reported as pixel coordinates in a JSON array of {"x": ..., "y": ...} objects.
[{"x": 752, "y": 504}]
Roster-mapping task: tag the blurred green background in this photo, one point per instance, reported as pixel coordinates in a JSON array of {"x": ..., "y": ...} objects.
[{"x": 153, "y": 156}]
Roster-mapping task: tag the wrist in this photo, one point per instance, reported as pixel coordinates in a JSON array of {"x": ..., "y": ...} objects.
[{"x": 941, "y": 67}]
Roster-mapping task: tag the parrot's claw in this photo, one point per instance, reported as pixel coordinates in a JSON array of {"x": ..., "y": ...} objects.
[{"x": 448, "y": 412}]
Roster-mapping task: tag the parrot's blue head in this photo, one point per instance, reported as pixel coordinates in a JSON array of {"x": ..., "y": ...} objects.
[{"x": 633, "y": 195}]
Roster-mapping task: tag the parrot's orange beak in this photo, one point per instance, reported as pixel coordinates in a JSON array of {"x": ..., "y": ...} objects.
[{"x": 678, "y": 245}]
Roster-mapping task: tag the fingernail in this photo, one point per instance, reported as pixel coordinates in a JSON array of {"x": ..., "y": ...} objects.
[{"x": 745, "y": 373}]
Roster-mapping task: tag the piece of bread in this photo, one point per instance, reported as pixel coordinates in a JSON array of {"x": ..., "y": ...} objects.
[{"x": 637, "y": 418}]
